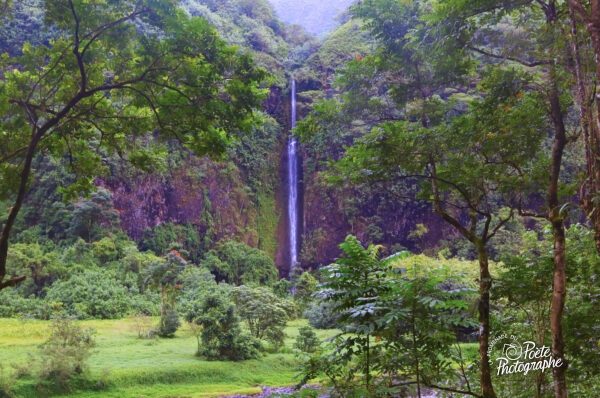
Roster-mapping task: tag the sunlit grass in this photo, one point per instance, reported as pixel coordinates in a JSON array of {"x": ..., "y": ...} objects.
[{"x": 133, "y": 367}]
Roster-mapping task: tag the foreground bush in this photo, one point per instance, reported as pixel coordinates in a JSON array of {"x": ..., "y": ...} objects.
[{"x": 64, "y": 354}]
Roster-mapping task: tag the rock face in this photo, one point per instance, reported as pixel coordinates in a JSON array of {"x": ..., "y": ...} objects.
[
  {"x": 327, "y": 221},
  {"x": 216, "y": 199},
  {"x": 198, "y": 192}
]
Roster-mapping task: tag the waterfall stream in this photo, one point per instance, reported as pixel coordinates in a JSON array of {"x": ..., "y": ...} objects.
[{"x": 292, "y": 148}]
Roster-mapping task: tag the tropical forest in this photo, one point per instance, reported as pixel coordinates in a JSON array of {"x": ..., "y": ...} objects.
[{"x": 300, "y": 198}]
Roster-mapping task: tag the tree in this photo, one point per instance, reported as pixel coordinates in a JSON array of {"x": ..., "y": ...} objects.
[
  {"x": 91, "y": 294},
  {"x": 36, "y": 261},
  {"x": 304, "y": 288},
  {"x": 464, "y": 165},
  {"x": 587, "y": 73},
  {"x": 542, "y": 48},
  {"x": 166, "y": 275},
  {"x": 112, "y": 74},
  {"x": 239, "y": 264},
  {"x": 398, "y": 326},
  {"x": 264, "y": 313},
  {"x": 354, "y": 283},
  {"x": 90, "y": 216},
  {"x": 307, "y": 340},
  {"x": 221, "y": 333},
  {"x": 423, "y": 314}
]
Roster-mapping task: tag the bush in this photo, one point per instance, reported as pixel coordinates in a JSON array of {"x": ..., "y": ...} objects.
[
  {"x": 142, "y": 325},
  {"x": 307, "y": 341},
  {"x": 222, "y": 337},
  {"x": 91, "y": 294},
  {"x": 165, "y": 237},
  {"x": 7, "y": 382},
  {"x": 12, "y": 304},
  {"x": 65, "y": 353},
  {"x": 169, "y": 323},
  {"x": 322, "y": 315},
  {"x": 282, "y": 288}
]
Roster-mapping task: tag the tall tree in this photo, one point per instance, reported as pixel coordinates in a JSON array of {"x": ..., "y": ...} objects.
[
  {"x": 465, "y": 166},
  {"x": 539, "y": 50},
  {"x": 468, "y": 168},
  {"x": 587, "y": 75},
  {"x": 112, "y": 73}
]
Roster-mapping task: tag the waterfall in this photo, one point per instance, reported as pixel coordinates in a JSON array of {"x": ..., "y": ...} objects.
[{"x": 292, "y": 148}]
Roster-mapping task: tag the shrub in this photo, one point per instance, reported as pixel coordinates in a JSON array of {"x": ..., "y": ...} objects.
[
  {"x": 12, "y": 304},
  {"x": 307, "y": 341},
  {"x": 166, "y": 276},
  {"x": 166, "y": 236},
  {"x": 222, "y": 337},
  {"x": 169, "y": 323},
  {"x": 142, "y": 325},
  {"x": 322, "y": 315},
  {"x": 7, "y": 382},
  {"x": 91, "y": 294},
  {"x": 65, "y": 353},
  {"x": 282, "y": 288},
  {"x": 147, "y": 303}
]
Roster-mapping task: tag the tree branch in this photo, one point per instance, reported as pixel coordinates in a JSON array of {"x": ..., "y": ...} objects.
[
  {"x": 93, "y": 36},
  {"x": 508, "y": 58},
  {"x": 76, "y": 52}
]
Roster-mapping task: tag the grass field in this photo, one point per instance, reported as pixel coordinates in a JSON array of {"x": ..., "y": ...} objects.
[{"x": 135, "y": 368}]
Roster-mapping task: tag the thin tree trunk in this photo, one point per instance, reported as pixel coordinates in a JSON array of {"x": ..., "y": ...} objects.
[
  {"x": 415, "y": 350},
  {"x": 485, "y": 284},
  {"x": 558, "y": 229},
  {"x": 556, "y": 313},
  {"x": 14, "y": 210}
]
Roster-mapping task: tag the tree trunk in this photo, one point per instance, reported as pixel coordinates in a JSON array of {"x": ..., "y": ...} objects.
[
  {"x": 485, "y": 284},
  {"x": 14, "y": 210},
  {"x": 558, "y": 229},
  {"x": 556, "y": 312},
  {"x": 590, "y": 195}
]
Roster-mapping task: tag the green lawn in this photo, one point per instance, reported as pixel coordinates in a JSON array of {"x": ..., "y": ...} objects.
[{"x": 139, "y": 368}]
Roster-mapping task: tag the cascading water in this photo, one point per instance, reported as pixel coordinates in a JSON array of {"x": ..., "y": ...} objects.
[{"x": 292, "y": 148}]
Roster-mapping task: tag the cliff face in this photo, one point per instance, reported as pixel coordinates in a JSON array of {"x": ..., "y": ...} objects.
[
  {"x": 199, "y": 192},
  {"x": 245, "y": 198},
  {"x": 220, "y": 199}
]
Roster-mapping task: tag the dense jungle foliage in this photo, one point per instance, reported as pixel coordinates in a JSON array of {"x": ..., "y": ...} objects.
[{"x": 450, "y": 157}]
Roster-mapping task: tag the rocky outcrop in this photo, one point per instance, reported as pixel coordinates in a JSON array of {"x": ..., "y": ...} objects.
[{"x": 197, "y": 192}]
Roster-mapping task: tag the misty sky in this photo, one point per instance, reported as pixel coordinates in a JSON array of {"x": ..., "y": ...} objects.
[{"x": 316, "y": 16}]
